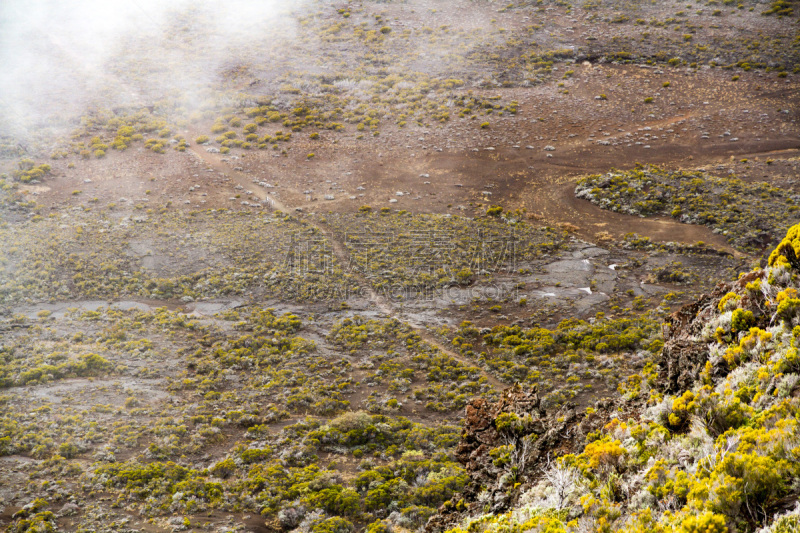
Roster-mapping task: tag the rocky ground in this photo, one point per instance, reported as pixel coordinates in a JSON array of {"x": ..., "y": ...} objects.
[{"x": 259, "y": 293}]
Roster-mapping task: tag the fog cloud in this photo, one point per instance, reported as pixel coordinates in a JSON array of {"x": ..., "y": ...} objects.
[{"x": 60, "y": 58}]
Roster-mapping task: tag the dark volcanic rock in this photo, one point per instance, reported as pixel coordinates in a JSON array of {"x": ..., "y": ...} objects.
[
  {"x": 537, "y": 438},
  {"x": 685, "y": 354},
  {"x": 683, "y": 357}
]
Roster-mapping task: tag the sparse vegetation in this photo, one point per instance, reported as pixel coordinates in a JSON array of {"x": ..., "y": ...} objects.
[
  {"x": 275, "y": 260},
  {"x": 739, "y": 210}
]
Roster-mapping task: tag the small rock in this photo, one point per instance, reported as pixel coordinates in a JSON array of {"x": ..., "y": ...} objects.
[{"x": 69, "y": 509}]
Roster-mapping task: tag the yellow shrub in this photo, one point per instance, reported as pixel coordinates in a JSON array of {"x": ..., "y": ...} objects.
[
  {"x": 681, "y": 407},
  {"x": 788, "y": 250},
  {"x": 602, "y": 453},
  {"x": 729, "y": 302},
  {"x": 788, "y": 292},
  {"x": 707, "y": 522}
]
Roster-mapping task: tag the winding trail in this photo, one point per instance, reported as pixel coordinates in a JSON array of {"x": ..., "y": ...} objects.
[
  {"x": 549, "y": 191},
  {"x": 546, "y": 191},
  {"x": 343, "y": 256}
]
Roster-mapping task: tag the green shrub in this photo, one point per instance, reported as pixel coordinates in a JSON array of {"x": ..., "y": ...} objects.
[
  {"x": 508, "y": 423},
  {"x": 334, "y": 524},
  {"x": 742, "y": 320}
]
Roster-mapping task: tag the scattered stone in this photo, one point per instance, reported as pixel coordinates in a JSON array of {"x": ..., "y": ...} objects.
[{"x": 69, "y": 509}]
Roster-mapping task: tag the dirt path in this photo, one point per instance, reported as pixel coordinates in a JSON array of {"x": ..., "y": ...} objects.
[
  {"x": 386, "y": 308},
  {"x": 214, "y": 161},
  {"x": 559, "y": 204},
  {"x": 430, "y": 339},
  {"x": 545, "y": 186},
  {"x": 343, "y": 256}
]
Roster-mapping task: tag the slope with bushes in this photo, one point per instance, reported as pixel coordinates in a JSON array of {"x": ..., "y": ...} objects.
[{"x": 706, "y": 441}]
